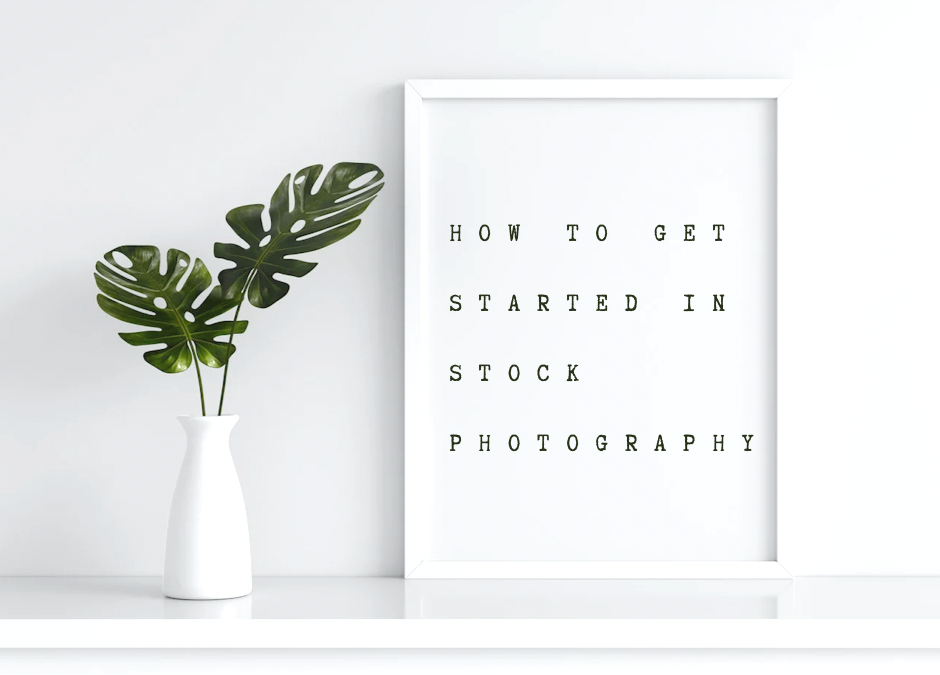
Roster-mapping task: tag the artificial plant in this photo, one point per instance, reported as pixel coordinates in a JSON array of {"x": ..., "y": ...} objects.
[{"x": 133, "y": 289}]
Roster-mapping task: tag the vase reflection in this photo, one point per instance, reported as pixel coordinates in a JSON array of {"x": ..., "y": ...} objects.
[{"x": 234, "y": 608}]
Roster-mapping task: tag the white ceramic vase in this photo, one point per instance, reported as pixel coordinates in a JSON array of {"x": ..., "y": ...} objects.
[{"x": 208, "y": 556}]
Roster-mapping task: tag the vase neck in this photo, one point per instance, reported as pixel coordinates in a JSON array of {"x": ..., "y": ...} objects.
[{"x": 203, "y": 432}]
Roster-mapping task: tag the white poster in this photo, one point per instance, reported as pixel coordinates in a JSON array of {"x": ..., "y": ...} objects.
[{"x": 601, "y": 288}]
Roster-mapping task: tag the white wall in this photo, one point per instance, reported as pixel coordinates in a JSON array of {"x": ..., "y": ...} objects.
[{"x": 145, "y": 122}]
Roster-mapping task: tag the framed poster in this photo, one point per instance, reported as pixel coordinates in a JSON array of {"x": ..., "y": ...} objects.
[{"x": 590, "y": 366}]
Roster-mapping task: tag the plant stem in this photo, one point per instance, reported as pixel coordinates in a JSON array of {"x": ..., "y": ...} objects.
[
  {"x": 231, "y": 337},
  {"x": 189, "y": 343},
  {"x": 202, "y": 397}
]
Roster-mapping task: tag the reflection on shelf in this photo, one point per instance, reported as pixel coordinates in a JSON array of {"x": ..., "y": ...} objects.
[
  {"x": 232, "y": 608},
  {"x": 385, "y": 598}
]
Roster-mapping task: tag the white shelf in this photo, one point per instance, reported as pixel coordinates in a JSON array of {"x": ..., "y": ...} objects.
[{"x": 48, "y": 612}]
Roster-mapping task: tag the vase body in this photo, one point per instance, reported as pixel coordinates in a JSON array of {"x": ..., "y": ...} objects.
[{"x": 208, "y": 556}]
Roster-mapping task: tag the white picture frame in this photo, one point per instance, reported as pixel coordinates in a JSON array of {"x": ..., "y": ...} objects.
[{"x": 418, "y": 478}]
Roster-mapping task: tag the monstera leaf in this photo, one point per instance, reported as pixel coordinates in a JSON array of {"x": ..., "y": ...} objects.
[
  {"x": 139, "y": 294},
  {"x": 318, "y": 219}
]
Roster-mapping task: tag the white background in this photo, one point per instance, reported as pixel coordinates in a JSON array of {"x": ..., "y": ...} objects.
[
  {"x": 145, "y": 122},
  {"x": 658, "y": 370}
]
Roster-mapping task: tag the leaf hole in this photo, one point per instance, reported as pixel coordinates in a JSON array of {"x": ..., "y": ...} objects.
[
  {"x": 264, "y": 242},
  {"x": 364, "y": 179},
  {"x": 184, "y": 263},
  {"x": 133, "y": 308},
  {"x": 160, "y": 302},
  {"x": 121, "y": 259},
  {"x": 189, "y": 317},
  {"x": 302, "y": 257},
  {"x": 300, "y": 180},
  {"x": 312, "y": 187},
  {"x": 183, "y": 279},
  {"x": 335, "y": 214},
  {"x": 202, "y": 297},
  {"x": 117, "y": 271},
  {"x": 298, "y": 226},
  {"x": 133, "y": 292},
  {"x": 323, "y": 231},
  {"x": 355, "y": 194}
]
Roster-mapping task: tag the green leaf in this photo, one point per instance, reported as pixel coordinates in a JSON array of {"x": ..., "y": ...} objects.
[
  {"x": 132, "y": 294},
  {"x": 318, "y": 220}
]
